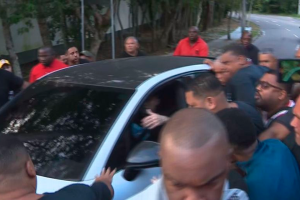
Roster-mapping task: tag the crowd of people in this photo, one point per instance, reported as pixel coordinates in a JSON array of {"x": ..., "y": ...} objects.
[{"x": 241, "y": 122}]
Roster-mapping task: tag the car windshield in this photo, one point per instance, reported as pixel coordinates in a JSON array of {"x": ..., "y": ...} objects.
[{"x": 62, "y": 127}]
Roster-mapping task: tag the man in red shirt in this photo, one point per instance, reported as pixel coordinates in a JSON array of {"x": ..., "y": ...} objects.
[
  {"x": 193, "y": 45},
  {"x": 47, "y": 64}
]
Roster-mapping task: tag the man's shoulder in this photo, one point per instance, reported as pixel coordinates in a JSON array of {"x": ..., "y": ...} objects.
[
  {"x": 59, "y": 63},
  {"x": 276, "y": 147},
  {"x": 254, "y": 47},
  {"x": 202, "y": 42},
  {"x": 184, "y": 40},
  {"x": 83, "y": 61},
  {"x": 36, "y": 68}
]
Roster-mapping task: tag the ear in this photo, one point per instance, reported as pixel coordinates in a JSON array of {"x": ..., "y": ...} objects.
[
  {"x": 242, "y": 60},
  {"x": 210, "y": 103},
  {"x": 30, "y": 169},
  {"x": 282, "y": 95}
]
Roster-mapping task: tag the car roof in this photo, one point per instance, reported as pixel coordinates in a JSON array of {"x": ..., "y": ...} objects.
[{"x": 125, "y": 73}]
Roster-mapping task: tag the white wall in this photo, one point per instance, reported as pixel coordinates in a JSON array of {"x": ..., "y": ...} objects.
[
  {"x": 22, "y": 42},
  {"x": 32, "y": 39}
]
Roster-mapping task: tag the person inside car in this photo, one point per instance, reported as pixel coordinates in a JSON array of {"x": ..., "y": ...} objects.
[
  {"x": 270, "y": 169},
  {"x": 18, "y": 179},
  {"x": 188, "y": 135},
  {"x": 205, "y": 91}
]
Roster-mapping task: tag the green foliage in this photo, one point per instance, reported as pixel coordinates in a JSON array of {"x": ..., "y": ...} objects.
[{"x": 276, "y": 6}]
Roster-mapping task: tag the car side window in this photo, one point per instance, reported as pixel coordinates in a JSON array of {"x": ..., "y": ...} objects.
[
  {"x": 62, "y": 128},
  {"x": 171, "y": 99}
]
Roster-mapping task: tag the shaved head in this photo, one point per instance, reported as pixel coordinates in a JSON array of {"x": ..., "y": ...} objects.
[
  {"x": 194, "y": 28},
  {"x": 192, "y": 128},
  {"x": 194, "y": 155}
]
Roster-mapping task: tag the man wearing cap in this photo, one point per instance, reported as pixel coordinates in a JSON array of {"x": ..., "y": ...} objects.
[
  {"x": 86, "y": 55},
  {"x": 5, "y": 64},
  {"x": 48, "y": 63},
  {"x": 9, "y": 82}
]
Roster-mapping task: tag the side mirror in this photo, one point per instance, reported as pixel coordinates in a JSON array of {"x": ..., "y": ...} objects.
[{"x": 144, "y": 155}]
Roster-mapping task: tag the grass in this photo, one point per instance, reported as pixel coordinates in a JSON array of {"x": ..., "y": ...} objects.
[{"x": 255, "y": 29}]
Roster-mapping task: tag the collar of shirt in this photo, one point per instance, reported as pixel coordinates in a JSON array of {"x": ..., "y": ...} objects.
[{"x": 281, "y": 112}]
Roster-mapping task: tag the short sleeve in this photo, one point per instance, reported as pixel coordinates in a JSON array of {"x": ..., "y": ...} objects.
[{"x": 286, "y": 120}]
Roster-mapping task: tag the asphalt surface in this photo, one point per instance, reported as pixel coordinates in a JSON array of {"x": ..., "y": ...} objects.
[{"x": 280, "y": 34}]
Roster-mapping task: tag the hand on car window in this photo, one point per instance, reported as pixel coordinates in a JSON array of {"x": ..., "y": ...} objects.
[
  {"x": 153, "y": 120},
  {"x": 106, "y": 177}
]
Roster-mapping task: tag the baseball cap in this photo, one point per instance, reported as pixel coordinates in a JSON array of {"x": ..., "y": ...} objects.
[
  {"x": 87, "y": 54},
  {"x": 3, "y": 62}
]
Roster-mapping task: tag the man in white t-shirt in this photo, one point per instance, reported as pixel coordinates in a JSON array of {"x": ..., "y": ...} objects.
[{"x": 195, "y": 156}]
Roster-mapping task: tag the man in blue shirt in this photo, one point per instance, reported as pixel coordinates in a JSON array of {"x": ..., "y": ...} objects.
[{"x": 270, "y": 169}]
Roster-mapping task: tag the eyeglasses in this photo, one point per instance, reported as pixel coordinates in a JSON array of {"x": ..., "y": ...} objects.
[{"x": 265, "y": 85}]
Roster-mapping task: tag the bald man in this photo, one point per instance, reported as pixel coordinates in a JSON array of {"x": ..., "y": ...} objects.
[
  {"x": 268, "y": 60},
  {"x": 193, "y": 45},
  {"x": 195, "y": 157},
  {"x": 132, "y": 48},
  {"x": 48, "y": 63}
]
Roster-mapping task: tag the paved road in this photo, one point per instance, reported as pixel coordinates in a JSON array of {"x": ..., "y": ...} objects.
[{"x": 281, "y": 34}]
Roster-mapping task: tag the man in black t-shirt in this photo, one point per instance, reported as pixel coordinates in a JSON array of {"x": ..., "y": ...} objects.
[
  {"x": 18, "y": 177},
  {"x": 242, "y": 77},
  {"x": 206, "y": 91},
  {"x": 9, "y": 82},
  {"x": 273, "y": 98},
  {"x": 132, "y": 48},
  {"x": 252, "y": 51}
]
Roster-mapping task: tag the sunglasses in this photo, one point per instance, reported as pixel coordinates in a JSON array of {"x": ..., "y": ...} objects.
[{"x": 265, "y": 85}]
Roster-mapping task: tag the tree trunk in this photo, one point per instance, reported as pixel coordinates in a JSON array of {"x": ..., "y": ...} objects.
[
  {"x": 121, "y": 24},
  {"x": 250, "y": 12},
  {"x": 44, "y": 32},
  {"x": 211, "y": 12},
  {"x": 229, "y": 26},
  {"x": 64, "y": 31},
  {"x": 10, "y": 49},
  {"x": 206, "y": 19},
  {"x": 199, "y": 13},
  {"x": 168, "y": 28}
]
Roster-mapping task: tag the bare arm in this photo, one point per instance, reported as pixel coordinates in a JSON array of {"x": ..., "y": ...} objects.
[
  {"x": 276, "y": 131},
  {"x": 25, "y": 85}
]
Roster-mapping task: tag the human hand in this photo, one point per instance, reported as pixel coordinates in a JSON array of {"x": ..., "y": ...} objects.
[
  {"x": 153, "y": 120},
  {"x": 155, "y": 179},
  {"x": 208, "y": 62},
  {"x": 106, "y": 177}
]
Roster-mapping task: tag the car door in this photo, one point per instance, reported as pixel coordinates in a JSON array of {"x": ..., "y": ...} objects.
[{"x": 117, "y": 159}]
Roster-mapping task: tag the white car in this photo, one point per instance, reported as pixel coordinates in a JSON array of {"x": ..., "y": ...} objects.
[{"x": 79, "y": 120}]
